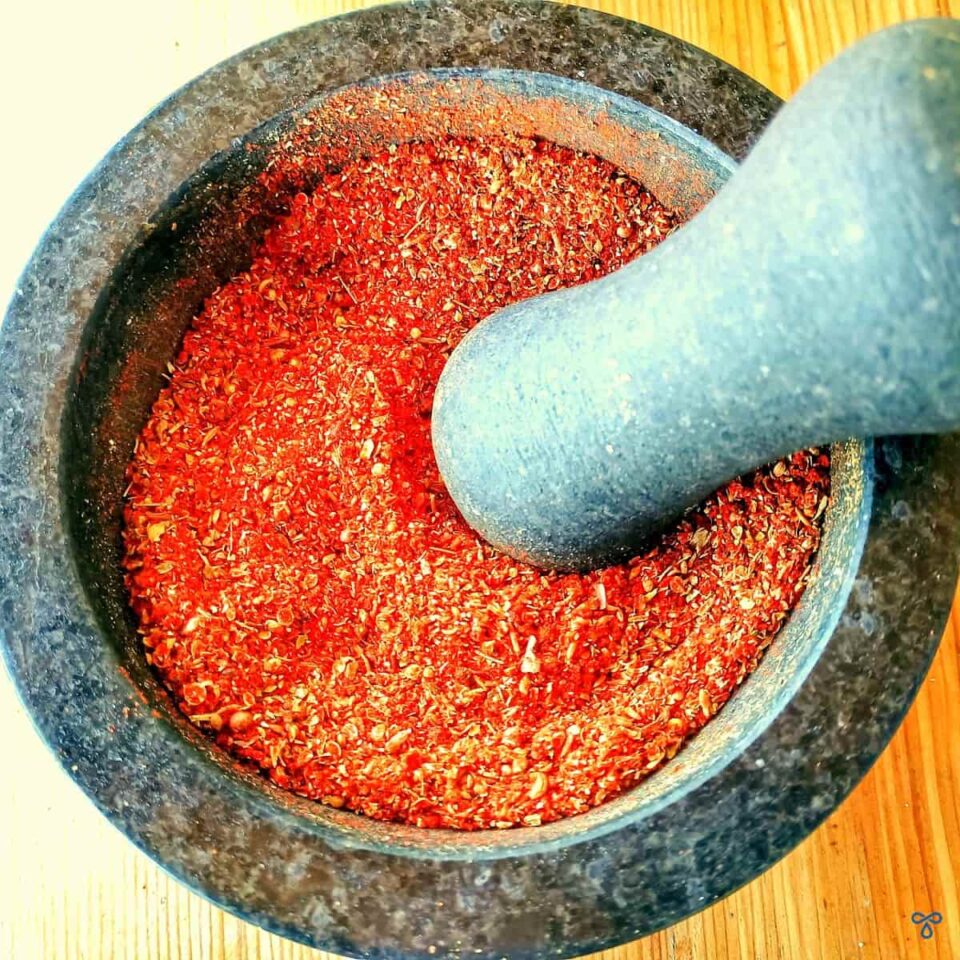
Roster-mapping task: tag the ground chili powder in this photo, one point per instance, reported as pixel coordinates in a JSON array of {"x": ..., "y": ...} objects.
[{"x": 305, "y": 586}]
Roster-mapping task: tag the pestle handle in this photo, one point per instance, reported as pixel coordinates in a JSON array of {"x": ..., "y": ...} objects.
[{"x": 816, "y": 298}]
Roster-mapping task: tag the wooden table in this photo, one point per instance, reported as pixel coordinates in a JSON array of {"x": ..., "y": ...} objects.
[{"x": 72, "y": 887}]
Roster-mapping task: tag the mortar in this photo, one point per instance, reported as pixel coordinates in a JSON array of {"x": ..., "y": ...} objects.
[{"x": 99, "y": 312}]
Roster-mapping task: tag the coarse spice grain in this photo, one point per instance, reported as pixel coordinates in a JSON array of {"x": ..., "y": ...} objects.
[{"x": 305, "y": 586}]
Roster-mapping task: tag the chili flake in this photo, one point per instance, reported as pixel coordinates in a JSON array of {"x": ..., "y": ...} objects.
[{"x": 306, "y": 588}]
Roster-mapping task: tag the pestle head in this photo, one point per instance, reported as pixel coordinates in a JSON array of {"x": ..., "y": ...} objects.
[{"x": 816, "y": 298}]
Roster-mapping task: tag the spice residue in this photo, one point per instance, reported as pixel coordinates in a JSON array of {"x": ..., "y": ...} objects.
[{"x": 305, "y": 586}]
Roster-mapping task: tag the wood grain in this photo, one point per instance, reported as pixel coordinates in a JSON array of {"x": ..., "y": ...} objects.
[{"x": 72, "y": 887}]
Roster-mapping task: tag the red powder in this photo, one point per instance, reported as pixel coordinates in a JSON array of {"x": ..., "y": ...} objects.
[{"x": 304, "y": 584}]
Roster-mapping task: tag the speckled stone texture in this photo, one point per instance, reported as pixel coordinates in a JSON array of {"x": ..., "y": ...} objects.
[{"x": 374, "y": 891}]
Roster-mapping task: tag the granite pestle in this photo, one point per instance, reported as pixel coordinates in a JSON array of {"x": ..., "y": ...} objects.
[{"x": 816, "y": 298}]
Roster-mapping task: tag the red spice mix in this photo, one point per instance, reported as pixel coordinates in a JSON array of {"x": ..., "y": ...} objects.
[{"x": 305, "y": 586}]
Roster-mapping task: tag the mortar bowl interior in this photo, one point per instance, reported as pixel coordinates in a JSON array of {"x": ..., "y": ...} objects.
[{"x": 205, "y": 233}]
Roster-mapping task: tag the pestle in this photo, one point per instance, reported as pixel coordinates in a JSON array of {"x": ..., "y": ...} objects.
[{"x": 816, "y": 298}]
